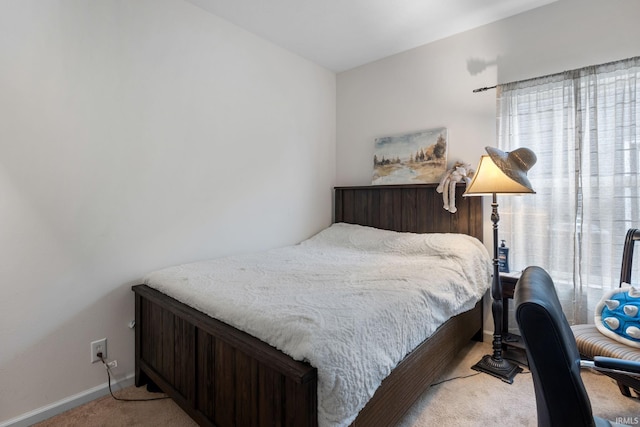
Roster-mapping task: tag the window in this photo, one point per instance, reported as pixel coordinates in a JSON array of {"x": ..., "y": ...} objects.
[{"x": 583, "y": 127}]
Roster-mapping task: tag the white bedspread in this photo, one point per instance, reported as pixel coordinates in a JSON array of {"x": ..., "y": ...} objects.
[{"x": 351, "y": 300}]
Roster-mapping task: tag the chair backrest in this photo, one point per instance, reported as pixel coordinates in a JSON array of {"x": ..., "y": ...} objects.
[
  {"x": 554, "y": 361},
  {"x": 633, "y": 235}
]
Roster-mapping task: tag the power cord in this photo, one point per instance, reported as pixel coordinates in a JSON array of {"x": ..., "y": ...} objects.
[
  {"x": 467, "y": 376},
  {"x": 108, "y": 368},
  {"x": 455, "y": 378}
]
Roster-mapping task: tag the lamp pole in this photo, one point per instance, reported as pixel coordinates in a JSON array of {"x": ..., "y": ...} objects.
[
  {"x": 500, "y": 173},
  {"x": 496, "y": 285}
]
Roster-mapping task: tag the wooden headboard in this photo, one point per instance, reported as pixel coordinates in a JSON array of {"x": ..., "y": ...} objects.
[{"x": 415, "y": 208}]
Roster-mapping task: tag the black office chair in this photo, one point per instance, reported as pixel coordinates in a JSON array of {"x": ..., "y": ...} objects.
[{"x": 554, "y": 360}]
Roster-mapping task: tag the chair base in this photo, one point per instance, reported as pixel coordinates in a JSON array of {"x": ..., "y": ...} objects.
[
  {"x": 626, "y": 383},
  {"x": 499, "y": 368}
]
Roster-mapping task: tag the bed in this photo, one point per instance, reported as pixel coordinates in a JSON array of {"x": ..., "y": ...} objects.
[{"x": 223, "y": 376}]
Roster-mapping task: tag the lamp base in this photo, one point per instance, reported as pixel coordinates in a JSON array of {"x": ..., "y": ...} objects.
[{"x": 499, "y": 368}]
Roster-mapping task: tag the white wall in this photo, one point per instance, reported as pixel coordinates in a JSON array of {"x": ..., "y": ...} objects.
[
  {"x": 431, "y": 86},
  {"x": 136, "y": 135}
]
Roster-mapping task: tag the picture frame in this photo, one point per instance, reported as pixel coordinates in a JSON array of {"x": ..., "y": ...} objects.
[{"x": 410, "y": 158}]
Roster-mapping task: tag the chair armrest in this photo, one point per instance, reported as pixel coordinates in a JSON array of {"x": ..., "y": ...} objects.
[
  {"x": 618, "y": 364},
  {"x": 611, "y": 364}
]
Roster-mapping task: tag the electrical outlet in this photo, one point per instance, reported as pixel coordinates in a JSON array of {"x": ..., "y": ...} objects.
[{"x": 98, "y": 346}]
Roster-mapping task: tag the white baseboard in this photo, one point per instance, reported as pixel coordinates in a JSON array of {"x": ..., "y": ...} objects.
[{"x": 63, "y": 405}]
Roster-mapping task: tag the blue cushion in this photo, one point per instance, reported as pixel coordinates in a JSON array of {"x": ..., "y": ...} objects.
[{"x": 618, "y": 315}]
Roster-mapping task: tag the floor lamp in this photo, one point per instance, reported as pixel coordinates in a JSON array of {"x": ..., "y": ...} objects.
[{"x": 500, "y": 173}]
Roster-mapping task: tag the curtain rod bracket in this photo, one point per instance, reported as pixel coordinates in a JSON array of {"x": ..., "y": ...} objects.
[{"x": 482, "y": 89}]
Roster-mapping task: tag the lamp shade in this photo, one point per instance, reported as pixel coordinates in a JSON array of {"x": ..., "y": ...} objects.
[{"x": 490, "y": 178}]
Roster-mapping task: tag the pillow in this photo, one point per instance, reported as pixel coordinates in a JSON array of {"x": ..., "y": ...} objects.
[
  {"x": 370, "y": 239},
  {"x": 618, "y": 315}
]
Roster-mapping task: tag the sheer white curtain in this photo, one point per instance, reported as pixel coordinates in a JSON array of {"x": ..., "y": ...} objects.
[{"x": 583, "y": 126}]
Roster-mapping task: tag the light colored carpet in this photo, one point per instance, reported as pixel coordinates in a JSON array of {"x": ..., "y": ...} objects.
[
  {"x": 482, "y": 400},
  {"x": 475, "y": 400}
]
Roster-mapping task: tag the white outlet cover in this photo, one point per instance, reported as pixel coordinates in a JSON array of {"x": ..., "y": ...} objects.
[{"x": 96, "y": 347}]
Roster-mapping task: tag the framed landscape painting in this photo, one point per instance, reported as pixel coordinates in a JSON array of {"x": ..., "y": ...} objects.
[{"x": 419, "y": 157}]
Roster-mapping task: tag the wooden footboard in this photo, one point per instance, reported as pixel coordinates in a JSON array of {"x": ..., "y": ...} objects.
[{"x": 219, "y": 375}]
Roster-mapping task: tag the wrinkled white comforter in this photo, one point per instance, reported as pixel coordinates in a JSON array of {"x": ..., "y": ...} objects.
[{"x": 351, "y": 300}]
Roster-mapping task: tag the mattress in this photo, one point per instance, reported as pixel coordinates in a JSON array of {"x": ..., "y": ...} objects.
[{"x": 352, "y": 301}]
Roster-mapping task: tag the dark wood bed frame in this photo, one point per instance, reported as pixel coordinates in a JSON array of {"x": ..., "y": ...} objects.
[{"x": 224, "y": 377}]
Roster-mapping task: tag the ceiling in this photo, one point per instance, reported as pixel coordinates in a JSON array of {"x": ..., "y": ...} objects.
[{"x": 344, "y": 34}]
